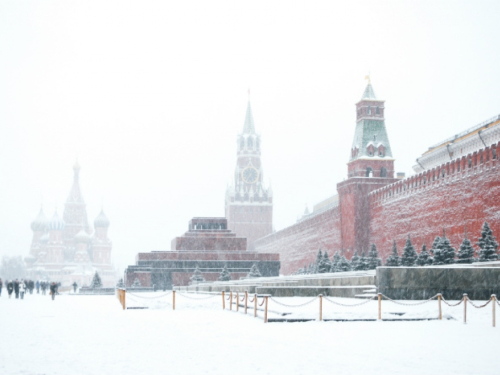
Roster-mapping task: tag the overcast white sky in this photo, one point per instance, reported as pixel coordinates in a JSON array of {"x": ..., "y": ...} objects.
[{"x": 150, "y": 95}]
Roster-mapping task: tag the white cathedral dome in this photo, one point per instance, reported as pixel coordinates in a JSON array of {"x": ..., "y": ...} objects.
[
  {"x": 101, "y": 221},
  {"x": 82, "y": 236},
  {"x": 40, "y": 223},
  {"x": 56, "y": 223}
]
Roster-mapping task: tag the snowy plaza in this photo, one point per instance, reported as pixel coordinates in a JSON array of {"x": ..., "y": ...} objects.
[{"x": 94, "y": 335}]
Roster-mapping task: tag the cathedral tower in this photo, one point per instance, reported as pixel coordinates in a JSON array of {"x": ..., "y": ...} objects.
[
  {"x": 370, "y": 167},
  {"x": 249, "y": 204}
]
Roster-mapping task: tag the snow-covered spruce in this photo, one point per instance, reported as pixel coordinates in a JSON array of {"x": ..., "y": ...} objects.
[
  {"x": 393, "y": 260},
  {"x": 424, "y": 257},
  {"x": 225, "y": 275},
  {"x": 96, "y": 281},
  {"x": 343, "y": 265},
  {"x": 254, "y": 271},
  {"x": 136, "y": 283},
  {"x": 355, "y": 264},
  {"x": 197, "y": 276},
  {"x": 444, "y": 253},
  {"x": 487, "y": 244},
  {"x": 465, "y": 253},
  {"x": 373, "y": 259},
  {"x": 335, "y": 261},
  {"x": 324, "y": 264},
  {"x": 409, "y": 255}
]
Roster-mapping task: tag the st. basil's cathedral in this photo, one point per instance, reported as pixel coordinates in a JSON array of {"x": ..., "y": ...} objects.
[{"x": 66, "y": 249}]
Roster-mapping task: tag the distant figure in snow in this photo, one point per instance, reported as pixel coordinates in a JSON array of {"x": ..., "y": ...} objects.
[
  {"x": 22, "y": 288},
  {"x": 1, "y": 286},
  {"x": 16, "y": 288},
  {"x": 75, "y": 285},
  {"x": 37, "y": 287},
  {"x": 53, "y": 290},
  {"x": 10, "y": 287},
  {"x": 31, "y": 286}
]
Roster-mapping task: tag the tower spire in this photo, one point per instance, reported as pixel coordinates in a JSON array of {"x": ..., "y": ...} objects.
[{"x": 249, "y": 127}]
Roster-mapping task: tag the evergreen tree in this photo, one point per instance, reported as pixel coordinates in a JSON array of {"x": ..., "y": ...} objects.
[
  {"x": 120, "y": 284},
  {"x": 435, "y": 244},
  {"x": 409, "y": 255},
  {"x": 363, "y": 262},
  {"x": 197, "y": 276},
  {"x": 393, "y": 260},
  {"x": 96, "y": 281},
  {"x": 254, "y": 271},
  {"x": 225, "y": 275},
  {"x": 319, "y": 259},
  {"x": 444, "y": 253},
  {"x": 465, "y": 253},
  {"x": 424, "y": 258},
  {"x": 373, "y": 260},
  {"x": 335, "y": 261},
  {"x": 324, "y": 264},
  {"x": 136, "y": 283},
  {"x": 487, "y": 244},
  {"x": 355, "y": 261},
  {"x": 343, "y": 265}
]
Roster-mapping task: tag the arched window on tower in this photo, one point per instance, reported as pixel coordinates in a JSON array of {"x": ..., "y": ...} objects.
[
  {"x": 250, "y": 142},
  {"x": 370, "y": 150},
  {"x": 369, "y": 172},
  {"x": 383, "y": 172},
  {"x": 381, "y": 151},
  {"x": 369, "y": 110},
  {"x": 377, "y": 110}
]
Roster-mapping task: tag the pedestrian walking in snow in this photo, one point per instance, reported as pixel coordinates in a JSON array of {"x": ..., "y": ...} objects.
[
  {"x": 75, "y": 285},
  {"x": 53, "y": 290},
  {"x": 31, "y": 286},
  {"x": 1, "y": 286},
  {"x": 16, "y": 288},
  {"x": 10, "y": 288},
  {"x": 37, "y": 287},
  {"x": 22, "y": 288},
  {"x": 44, "y": 287}
]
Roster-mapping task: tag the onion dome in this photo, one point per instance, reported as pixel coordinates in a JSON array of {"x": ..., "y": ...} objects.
[
  {"x": 40, "y": 223},
  {"x": 44, "y": 239},
  {"x": 82, "y": 237},
  {"x": 101, "y": 221},
  {"x": 56, "y": 223}
]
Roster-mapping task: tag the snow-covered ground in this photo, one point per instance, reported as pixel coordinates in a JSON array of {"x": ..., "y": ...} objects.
[{"x": 93, "y": 335}]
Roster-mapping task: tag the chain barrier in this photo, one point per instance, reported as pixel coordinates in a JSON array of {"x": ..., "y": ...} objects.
[
  {"x": 154, "y": 297},
  {"x": 498, "y": 302},
  {"x": 263, "y": 300},
  {"x": 242, "y": 299},
  {"x": 476, "y": 306},
  {"x": 452, "y": 304},
  {"x": 198, "y": 298},
  {"x": 285, "y": 305},
  {"x": 346, "y": 305},
  {"x": 409, "y": 304},
  {"x": 251, "y": 300}
]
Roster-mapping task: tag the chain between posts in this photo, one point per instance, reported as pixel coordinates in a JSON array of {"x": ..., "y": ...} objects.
[
  {"x": 263, "y": 300},
  {"x": 196, "y": 298},
  {"x": 302, "y": 304},
  {"x": 479, "y": 307},
  {"x": 353, "y": 305},
  {"x": 452, "y": 304},
  {"x": 154, "y": 297},
  {"x": 410, "y": 304}
]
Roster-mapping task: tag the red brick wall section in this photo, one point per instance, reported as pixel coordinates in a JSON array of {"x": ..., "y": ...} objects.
[
  {"x": 206, "y": 255},
  {"x": 298, "y": 244},
  {"x": 144, "y": 278},
  {"x": 424, "y": 204}
]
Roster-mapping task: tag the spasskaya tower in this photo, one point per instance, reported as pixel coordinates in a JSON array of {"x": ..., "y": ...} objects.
[{"x": 249, "y": 204}]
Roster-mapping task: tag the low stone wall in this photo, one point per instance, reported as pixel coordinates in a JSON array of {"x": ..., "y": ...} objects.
[
  {"x": 106, "y": 291},
  {"x": 417, "y": 283}
]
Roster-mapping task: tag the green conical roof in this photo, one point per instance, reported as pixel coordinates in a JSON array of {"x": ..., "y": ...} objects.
[{"x": 368, "y": 93}]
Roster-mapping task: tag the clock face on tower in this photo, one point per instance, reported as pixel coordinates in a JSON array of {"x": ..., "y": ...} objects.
[{"x": 250, "y": 175}]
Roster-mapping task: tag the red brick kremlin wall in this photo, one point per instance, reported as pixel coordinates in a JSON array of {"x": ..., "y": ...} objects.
[
  {"x": 451, "y": 196},
  {"x": 298, "y": 244}
]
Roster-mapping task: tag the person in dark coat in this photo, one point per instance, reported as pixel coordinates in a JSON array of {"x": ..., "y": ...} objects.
[
  {"x": 16, "y": 288},
  {"x": 75, "y": 285},
  {"x": 53, "y": 290},
  {"x": 1, "y": 286},
  {"x": 37, "y": 287},
  {"x": 10, "y": 287},
  {"x": 31, "y": 286}
]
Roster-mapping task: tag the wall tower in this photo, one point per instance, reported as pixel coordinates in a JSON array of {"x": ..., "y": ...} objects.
[{"x": 249, "y": 204}]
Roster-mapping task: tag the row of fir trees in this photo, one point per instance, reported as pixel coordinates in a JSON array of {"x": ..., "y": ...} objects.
[{"x": 440, "y": 253}]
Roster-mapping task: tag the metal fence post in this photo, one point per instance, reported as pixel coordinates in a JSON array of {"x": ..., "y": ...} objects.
[
  {"x": 465, "y": 308},
  {"x": 237, "y": 301},
  {"x": 265, "y": 314},
  {"x": 246, "y": 301},
  {"x": 494, "y": 297},
  {"x": 173, "y": 299},
  {"x": 255, "y": 306},
  {"x": 223, "y": 301}
]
